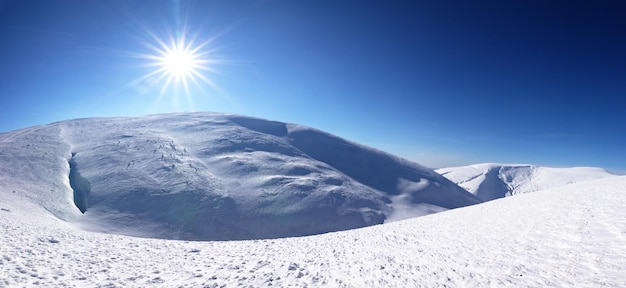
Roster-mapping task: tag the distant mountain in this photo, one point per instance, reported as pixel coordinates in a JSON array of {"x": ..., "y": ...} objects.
[
  {"x": 207, "y": 176},
  {"x": 490, "y": 181}
]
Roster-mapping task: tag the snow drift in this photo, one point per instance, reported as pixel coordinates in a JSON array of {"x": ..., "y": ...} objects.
[
  {"x": 491, "y": 181},
  {"x": 206, "y": 176}
]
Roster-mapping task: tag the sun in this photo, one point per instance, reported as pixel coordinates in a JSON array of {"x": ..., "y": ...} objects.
[{"x": 179, "y": 62}]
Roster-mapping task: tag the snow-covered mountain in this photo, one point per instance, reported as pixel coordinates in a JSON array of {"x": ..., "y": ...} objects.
[
  {"x": 167, "y": 176},
  {"x": 571, "y": 236},
  {"x": 208, "y": 176},
  {"x": 491, "y": 181}
]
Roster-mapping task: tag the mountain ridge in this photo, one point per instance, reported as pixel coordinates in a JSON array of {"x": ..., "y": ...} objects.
[
  {"x": 491, "y": 181},
  {"x": 211, "y": 176}
]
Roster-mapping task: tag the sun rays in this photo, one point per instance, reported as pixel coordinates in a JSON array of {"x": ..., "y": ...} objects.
[{"x": 178, "y": 64}]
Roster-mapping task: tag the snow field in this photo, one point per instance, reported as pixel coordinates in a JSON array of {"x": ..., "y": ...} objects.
[{"x": 571, "y": 236}]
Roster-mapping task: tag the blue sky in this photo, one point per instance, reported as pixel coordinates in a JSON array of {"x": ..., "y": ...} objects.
[{"x": 442, "y": 83}]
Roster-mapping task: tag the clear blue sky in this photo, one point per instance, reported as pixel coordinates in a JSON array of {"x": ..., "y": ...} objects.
[{"x": 439, "y": 82}]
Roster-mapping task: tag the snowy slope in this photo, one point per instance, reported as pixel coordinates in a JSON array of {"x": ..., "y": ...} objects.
[
  {"x": 571, "y": 236},
  {"x": 491, "y": 181},
  {"x": 208, "y": 176}
]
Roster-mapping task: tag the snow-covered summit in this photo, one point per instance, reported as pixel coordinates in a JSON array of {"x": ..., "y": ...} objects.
[
  {"x": 491, "y": 181},
  {"x": 212, "y": 176}
]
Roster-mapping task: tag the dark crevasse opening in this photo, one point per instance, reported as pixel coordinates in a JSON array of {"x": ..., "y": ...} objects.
[{"x": 80, "y": 185}]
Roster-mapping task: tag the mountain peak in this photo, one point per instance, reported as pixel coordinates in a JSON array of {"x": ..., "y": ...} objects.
[{"x": 209, "y": 176}]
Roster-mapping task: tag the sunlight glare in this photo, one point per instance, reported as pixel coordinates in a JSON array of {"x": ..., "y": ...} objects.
[{"x": 178, "y": 62}]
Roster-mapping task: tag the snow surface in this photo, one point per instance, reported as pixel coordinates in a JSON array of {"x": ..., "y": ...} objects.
[
  {"x": 571, "y": 236},
  {"x": 491, "y": 181},
  {"x": 168, "y": 176},
  {"x": 207, "y": 176}
]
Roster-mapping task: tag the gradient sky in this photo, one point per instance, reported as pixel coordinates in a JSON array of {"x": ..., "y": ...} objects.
[{"x": 442, "y": 83}]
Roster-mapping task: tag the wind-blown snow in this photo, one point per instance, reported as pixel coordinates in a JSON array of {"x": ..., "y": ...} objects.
[
  {"x": 491, "y": 181},
  {"x": 205, "y": 176},
  {"x": 571, "y": 236}
]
